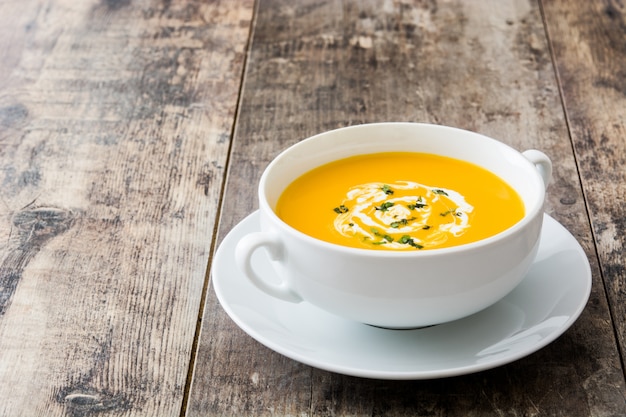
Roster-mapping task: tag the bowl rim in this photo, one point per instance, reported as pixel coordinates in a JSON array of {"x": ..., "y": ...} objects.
[{"x": 510, "y": 232}]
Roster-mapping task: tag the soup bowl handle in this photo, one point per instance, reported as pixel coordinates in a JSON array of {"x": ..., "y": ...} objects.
[
  {"x": 542, "y": 162},
  {"x": 243, "y": 257}
]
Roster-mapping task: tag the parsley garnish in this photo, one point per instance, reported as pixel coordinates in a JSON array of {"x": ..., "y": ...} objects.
[
  {"x": 440, "y": 192},
  {"x": 408, "y": 240},
  {"x": 454, "y": 212},
  {"x": 385, "y": 206},
  {"x": 387, "y": 189},
  {"x": 341, "y": 209},
  {"x": 386, "y": 238},
  {"x": 418, "y": 204},
  {"x": 402, "y": 222}
]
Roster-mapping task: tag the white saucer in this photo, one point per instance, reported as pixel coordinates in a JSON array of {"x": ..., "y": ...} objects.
[{"x": 538, "y": 311}]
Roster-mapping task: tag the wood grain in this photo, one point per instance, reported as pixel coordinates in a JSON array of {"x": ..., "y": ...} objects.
[
  {"x": 115, "y": 139},
  {"x": 484, "y": 66},
  {"x": 115, "y": 122},
  {"x": 589, "y": 42}
]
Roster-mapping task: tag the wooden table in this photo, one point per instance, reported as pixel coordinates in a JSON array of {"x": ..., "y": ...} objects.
[{"x": 132, "y": 138}]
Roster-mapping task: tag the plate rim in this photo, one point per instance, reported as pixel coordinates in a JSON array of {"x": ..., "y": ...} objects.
[{"x": 413, "y": 374}]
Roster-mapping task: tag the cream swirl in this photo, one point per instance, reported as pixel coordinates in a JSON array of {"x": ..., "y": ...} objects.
[{"x": 402, "y": 215}]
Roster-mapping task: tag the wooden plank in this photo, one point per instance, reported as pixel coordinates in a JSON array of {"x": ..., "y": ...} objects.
[
  {"x": 115, "y": 122},
  {"x": 483, "y": 66},
  {"x": 588, "y": 42}
]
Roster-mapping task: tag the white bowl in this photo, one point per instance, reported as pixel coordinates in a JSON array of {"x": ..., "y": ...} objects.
[{"x": 397, "y": 289}]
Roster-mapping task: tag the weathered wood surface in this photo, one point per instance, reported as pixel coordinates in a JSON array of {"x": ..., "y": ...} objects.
[
  {"x": 115, "y": 123},
  {"x": 484, "y": 66},
  {"x": 589, "y": 43},
  {"x": 115, "y": 140}
]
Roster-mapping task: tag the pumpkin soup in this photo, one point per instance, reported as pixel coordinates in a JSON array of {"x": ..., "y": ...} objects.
[{"x": 400, "y": 201}]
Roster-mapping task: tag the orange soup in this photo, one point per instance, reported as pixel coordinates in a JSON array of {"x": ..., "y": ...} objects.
[{"x": 400, "y": 201}]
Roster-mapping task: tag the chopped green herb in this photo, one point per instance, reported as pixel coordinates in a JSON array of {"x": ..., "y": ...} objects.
[
  {"x": 385, "y": 237},
  {"x": 445, "y": 213},
  {"x": 387, "y": 189},
  {"x": 440, "y": 192},
  {"x": 408, "y": 240},
  {"x": 419, "y": 203},
  {"x": 351, "y": 224},
  {"x": 385, "y": 206},
  {"x": 426, "y": 227},
  {"x": 402, "y": 222},
  {"x": 341, "y": 209}
]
